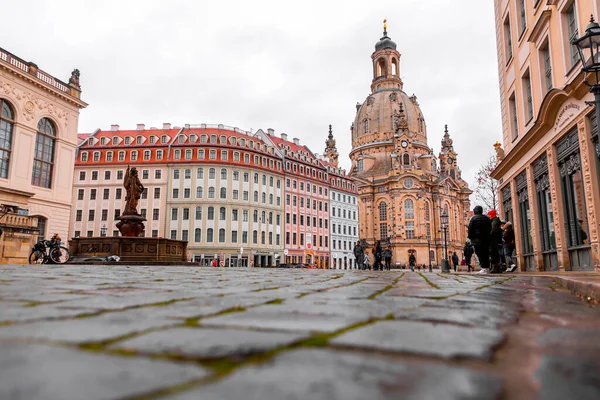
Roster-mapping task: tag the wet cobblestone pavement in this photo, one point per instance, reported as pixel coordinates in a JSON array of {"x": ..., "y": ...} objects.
[{"x": 92, "y": 332}]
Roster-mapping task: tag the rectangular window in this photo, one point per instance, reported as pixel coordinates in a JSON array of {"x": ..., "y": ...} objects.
[
  {"x": 234, "y": 236},
  {"x": 522, "y": 16},
  {"x": 144, "y": 194},
  {"x": 154, "y": 232},
  {"x": 173, "y": 234},
  {"x": 92, "y": 194},
  {"x": 175, "y": 193},
  {"x": 528, "y": 96},
  {"x": 186, "y": 193},
  {"x": 186, "y": 214},
  {"x": 107, "y": 175},
  {"x": 175, "y": 174},
  {"x": 546, "y": 65},
  {"x": 118, "y": 193},
  {"x": 104, "y": 215},
  {"x": 91, "y": 215},
  {"x": 155, "y": 214},
  {"x": 117, "y": 213},
  {"x": 173, "y": 214},
  {"x": 80, "y": 194},
  {"x": 157, "y": 174},
  {"x": 512, "y": 104},
  {"x": 82, "y": 175},
  {"x": 94, "y": 175},
  {"x": 78, "y": 215},
  {"x": 573, "y": 32},
  {"x": 410, "y": 230},
  {"x": 157, "y": 193}
]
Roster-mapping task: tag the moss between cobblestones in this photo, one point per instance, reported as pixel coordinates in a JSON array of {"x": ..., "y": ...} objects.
[
  {"x": 193, "y": 322},
  {"x": 264, "y": 289},
  {"x": 385, "y": 289},
  {"x": 276, "y": 301},
  {"x": 433, "y": 285}
]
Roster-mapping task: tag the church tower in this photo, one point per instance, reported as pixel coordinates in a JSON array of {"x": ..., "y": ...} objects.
[
  {"x": 331, "y": 152},
  {"x": 401, "y": 191}
]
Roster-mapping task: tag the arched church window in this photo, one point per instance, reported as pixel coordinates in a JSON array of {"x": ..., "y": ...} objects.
[
  {"x": 394, "y": 67},
  {"x": 360, "y": 165},
  {"x": 409, "y": 209},
  {"x": 427, "y": 215},
  {"x": 383, "y": 211},
  {"x": 366, "y": 122},
  {"x": 405, "y": 159}
]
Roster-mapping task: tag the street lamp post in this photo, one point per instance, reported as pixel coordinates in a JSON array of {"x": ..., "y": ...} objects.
[
  {"x": 444, "y": 224},
  {"x": 429, "y": 252},
  {"x": 588, "y": 47}
]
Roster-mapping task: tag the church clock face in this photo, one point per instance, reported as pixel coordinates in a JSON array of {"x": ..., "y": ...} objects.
[
  {"x": 404, "y": 144},
  {"x": 450, "y": 160},
  {"x": 408, "y": 183}
]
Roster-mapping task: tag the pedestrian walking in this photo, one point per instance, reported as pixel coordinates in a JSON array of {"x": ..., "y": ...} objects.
[
  {"x": 359, "y": 253},
  {"x": 468, "y": 252},
  {"x": 455, "y": 260},
  {"x": 495, "y": 242},
  {"x": 412, "y": 260},
  {"x": 377, "y": 266},
  {"x": 480, "y": 228},
  {"x": 366, "y": 261},
  {"x": 508, "y": 247},
  {"x": 387, "y": 256}
]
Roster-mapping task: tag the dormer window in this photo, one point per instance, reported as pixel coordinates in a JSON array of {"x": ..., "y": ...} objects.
[
  {"x": 243, "y": 142},
  {"x": 96, "y": 156},
  {"x": 181, "y": 138},
  {"x": 223, "y": 139},
  {"x": 164, "y": 139},
  {"x": 203, "y": 139},
  {"x": 115, "y": 141},
  {"x": 152, "y": 139},
  {"x": 139, "y": 140},
  {"x": 127, "y": 140},
  {"x": 103, "y": 141},
  {"x": 213, "y": 139},
  {"x": 233, "y": 140},
  {"x": 193, "y": 138},
  {"x": 84, "y": 156}
]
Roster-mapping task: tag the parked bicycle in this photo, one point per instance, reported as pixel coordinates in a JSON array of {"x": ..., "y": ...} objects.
[{"x": 49, "y": 251}]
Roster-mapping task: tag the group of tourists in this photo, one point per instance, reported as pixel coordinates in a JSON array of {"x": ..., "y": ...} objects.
[
  {"x": 489, "y": 238},
  {"x": 492, "y": 240},
  {"x": 363, "y": 261}
]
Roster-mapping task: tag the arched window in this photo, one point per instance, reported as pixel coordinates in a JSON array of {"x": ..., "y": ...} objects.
[
  {"x": 7, "y": 121},
  {"x": 409, "y": 209},
  {"x": 381, "y": 67},
  {"x": 211, "y": 192},
  {"x": 366, "y": 123},
  {"x": 223, "y": 173},
  {"x": 211, "y": 173},
  {"x": 427, "y": 215},
  {"x": 222, "y": 214},
  {"x": 43, "y": 158},
  {"x": 256, "y": 196},
  {"x": 211, "y": 214},
  {"x": 199, "y": 192},
  {"x": 271, "y": 199},
  {"x": 255, "y": 237},
  {"x": 405, "y": 159},
  {"x": 270, "y": 218},
  {"x": 221, "y": 235},
  {"x": 223, "y": 194},
  {"x": 264, "y": 197},
  {"x": 394, "y": 66},
  {"x": 197, "y": 235},
  {"x": 383, "y": 211},
  {"x": 209, "y": 235},
  {"x": 255, "y": 216},
  {"x": 198, "y": 212}
]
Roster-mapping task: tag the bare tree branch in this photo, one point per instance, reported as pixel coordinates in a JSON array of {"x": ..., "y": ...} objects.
[{"x": 486, "y": 187}]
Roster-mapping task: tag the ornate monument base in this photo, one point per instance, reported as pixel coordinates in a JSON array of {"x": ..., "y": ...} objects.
[
  {"x": 130, "y": 225},
  {"x": 129, "y": 249}
]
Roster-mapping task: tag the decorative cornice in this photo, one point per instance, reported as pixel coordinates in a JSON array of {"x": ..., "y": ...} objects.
[{"x": 541, "y": 23}]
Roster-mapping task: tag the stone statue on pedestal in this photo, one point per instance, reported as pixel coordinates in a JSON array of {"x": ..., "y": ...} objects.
[{"x": 131, "y": 223}]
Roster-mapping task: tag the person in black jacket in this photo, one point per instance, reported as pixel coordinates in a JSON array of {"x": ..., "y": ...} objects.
[
  {"x": 455, "y": 260},
  {"x": 468, "y": 252},
  {"x": 359, "y": 254},
  {"x": 377, "y": 253},
  {"x": 480, "y": 228},
  {"x": 495, "y": 242}
]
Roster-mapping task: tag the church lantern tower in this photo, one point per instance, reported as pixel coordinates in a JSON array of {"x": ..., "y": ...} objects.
[{"x": 331, "y": 152}]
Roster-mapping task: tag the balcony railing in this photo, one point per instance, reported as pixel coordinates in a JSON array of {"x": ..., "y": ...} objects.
[{"x": 41, "y": 75}]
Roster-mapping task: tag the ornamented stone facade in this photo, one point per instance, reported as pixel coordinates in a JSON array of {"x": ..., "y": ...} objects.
[
  {"x": 550, "y": 135},
  {"x": 38, "y": 134},
  {"x": 402, "y": 189}
]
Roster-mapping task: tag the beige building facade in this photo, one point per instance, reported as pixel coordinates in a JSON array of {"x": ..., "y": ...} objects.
[
  {"x": 402, "y": 187},
  {"x": 549, "y": 162},
  {"x": 38, "y": 138}
]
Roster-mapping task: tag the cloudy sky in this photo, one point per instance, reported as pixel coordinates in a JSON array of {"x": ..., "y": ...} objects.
[{"x": 295, "y": 67}]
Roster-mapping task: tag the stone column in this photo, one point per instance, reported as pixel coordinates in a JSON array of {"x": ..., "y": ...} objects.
[
  {"x": 564, "y": 263},
  {"x": 534, "y": 212},
  {"x": 591, "y": 187}
]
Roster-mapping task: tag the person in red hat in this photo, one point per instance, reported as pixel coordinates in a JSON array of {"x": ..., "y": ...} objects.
[{"x": 495, "y": 240}]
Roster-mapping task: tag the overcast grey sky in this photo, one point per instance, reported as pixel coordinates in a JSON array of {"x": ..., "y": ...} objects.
[{"x": 295, "y": 67}]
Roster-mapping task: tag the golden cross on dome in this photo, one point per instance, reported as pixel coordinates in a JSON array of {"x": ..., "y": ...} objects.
[{"x": 384, "y": 24}]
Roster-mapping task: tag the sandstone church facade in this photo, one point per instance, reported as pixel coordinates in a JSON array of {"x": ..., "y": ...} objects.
[{"x": 402, "y": 186}]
